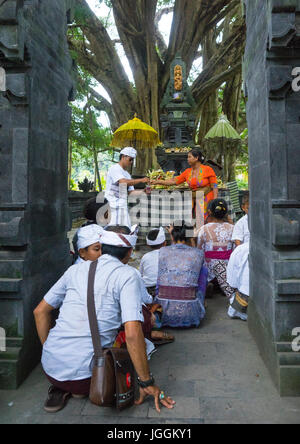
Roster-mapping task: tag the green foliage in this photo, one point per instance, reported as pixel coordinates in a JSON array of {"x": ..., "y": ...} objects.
[
  {"x": 242, "y": 184},
  {"x": 88, "y": 138}
]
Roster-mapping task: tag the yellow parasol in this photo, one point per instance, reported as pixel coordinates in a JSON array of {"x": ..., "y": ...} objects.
[{"x": 137, "y": 134}]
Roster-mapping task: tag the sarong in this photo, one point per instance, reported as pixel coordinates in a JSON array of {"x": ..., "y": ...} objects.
[{"x": 220, "y": 271}]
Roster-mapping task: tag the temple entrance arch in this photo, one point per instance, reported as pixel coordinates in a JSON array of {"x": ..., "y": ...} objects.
[
  {"x": 36, "y": 82},
  {"x": 273, "y": 110}
]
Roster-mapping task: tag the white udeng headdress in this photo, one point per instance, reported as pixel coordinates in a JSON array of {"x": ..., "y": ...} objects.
[
  {"x": 89, "y": 235},
  {"x": 120, "y": 239},
  {"x": 161, "y": 238},
  {"x": 129, "y": 151}
]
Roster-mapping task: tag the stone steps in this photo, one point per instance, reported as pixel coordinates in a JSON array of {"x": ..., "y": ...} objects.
[
  {"x": 289, "y": 359},
  {"x": 11, "y": 268},
  {"x": 11, "y": 354},
  {"x": 9, "y": 285}
]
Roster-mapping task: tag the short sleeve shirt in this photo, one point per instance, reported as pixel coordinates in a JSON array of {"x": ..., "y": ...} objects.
[
  {"x": 241, "y": 230},
  {"x": 116, "y": 194},
  {"x": 149, "y": 268},
  {"x": 68, "y": 351},
  {"x": 206, "y": 177}
]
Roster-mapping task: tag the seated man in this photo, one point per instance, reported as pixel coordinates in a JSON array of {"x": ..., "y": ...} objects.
[
  {"x": 238, "y": 278},
  {"x": 68, "y": 349},
  {"x": 156, "y": 239}
]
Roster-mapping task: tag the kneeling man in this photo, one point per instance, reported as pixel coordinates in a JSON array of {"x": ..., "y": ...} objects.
[{"x": 68, "y": 349}]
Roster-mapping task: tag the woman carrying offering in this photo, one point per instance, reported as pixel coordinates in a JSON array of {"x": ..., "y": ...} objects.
[{"x": 199, "y": 178}]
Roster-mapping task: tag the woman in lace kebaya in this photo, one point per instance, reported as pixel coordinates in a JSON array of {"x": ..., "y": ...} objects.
[
  {"x": 181, "y": 280},
  {"x": 214, "y": 240}
]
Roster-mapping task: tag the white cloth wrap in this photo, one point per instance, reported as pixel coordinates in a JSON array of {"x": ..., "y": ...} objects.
[
  {"x": 129, "y": 151},
  {"x": 117, "y": 239},
  {"x": 89, "y": 235}
]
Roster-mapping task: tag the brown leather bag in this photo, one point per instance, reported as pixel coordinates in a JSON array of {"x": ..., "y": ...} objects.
[{"x": 112, "y": 383}]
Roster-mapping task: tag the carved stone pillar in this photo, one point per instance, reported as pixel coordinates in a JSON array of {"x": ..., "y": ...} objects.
[
  {"x": 34, "y": 213},
  {"x": 273, "y": 51}
]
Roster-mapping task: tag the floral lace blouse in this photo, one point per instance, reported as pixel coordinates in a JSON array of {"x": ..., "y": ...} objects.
[
  {"x": 215, "y": 237},
  {"x": 179, "y": 266}
]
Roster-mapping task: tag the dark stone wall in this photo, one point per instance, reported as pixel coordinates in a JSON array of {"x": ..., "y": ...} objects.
[
  {"x": 34, "y": 212},
  {"x": 273, "y": 50}
]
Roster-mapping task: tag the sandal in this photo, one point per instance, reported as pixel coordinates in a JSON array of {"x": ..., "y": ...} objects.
[
  {"x": 57, "y": 400},
  {"x": 162, "y": 339}
]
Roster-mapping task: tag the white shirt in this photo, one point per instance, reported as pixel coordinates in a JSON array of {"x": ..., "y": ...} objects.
[
  {"x": 149, "y": 268},
  {"x": 68, "y": 351},
  {"x": 117, "y": 194},
  {"x": 241, "y": 230},
  {"x": 238, "y": 269}
]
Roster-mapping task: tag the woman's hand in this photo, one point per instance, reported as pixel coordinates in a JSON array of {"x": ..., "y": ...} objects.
[{"x": 159, "y": 397}]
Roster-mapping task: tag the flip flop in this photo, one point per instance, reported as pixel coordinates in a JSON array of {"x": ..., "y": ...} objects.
[
  {"x": 166, "y": 339},
  {"x": 56, "y": 400}
]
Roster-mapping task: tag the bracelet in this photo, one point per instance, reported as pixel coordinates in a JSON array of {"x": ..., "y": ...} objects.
[{"x": 145, "y": 384}]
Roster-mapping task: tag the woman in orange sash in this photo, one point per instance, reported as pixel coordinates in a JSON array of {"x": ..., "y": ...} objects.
[{"x": 199, "y": 178}]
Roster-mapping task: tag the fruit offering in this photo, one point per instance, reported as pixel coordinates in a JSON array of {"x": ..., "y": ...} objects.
[{"x": 161, "y": 175}]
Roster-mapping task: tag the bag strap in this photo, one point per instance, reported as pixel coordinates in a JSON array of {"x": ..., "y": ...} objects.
[
  {"x": 92, "y": 312},
  {"x": 98, "y": 351}
]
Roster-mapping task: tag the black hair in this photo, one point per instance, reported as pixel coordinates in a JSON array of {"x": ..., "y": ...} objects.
[
  {"x": 92, "y": 207},
  {"x": 197, "y": 154},
  {"x": 245, "y": 198},
  {"x": 122, "y": 229},
  {"x": 219, "y": 208},
  {"x": 117, "y": 252},
  {"x": 152, "y": 236},
  {"x": 182, "y": 232}
]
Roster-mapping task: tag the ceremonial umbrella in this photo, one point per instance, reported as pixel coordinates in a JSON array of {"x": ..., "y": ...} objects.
[
  {"x": 137, "y": 134},
  {"x": 224, "y": 140},
  {"x": 222, "y": 131}
]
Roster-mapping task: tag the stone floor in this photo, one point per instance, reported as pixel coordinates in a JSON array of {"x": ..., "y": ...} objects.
[{"x": 214, "y": 373}]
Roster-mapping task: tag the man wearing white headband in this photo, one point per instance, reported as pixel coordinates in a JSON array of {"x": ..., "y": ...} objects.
[
  {"x": 68, "y": 348},
  {"x": 118, "y": 184},
  {"x": 156, "y": 239}
]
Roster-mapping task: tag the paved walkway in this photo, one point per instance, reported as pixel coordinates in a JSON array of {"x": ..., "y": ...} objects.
[{"x": 214, "y": 373}]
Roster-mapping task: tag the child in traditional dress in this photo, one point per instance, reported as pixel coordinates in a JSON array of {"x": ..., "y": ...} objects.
[
  {"x": 91, "y": 211},
  {"x": 88, "y": 243},
  {"x": 241, "y": 232}
]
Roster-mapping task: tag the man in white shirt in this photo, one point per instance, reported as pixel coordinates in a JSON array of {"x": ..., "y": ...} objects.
[
  {"x": 241, "y": 233},
  {"x": 68, "y": 349},
  {"x": 118, "y": 184},
  {"x": 156, "y": 239}
]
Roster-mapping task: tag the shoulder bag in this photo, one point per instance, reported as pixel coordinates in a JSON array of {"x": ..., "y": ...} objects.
[{"x": 112, "y": 383}]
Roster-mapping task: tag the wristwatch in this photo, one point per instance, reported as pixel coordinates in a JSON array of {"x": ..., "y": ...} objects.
[{"x": 145, "y": 384}]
